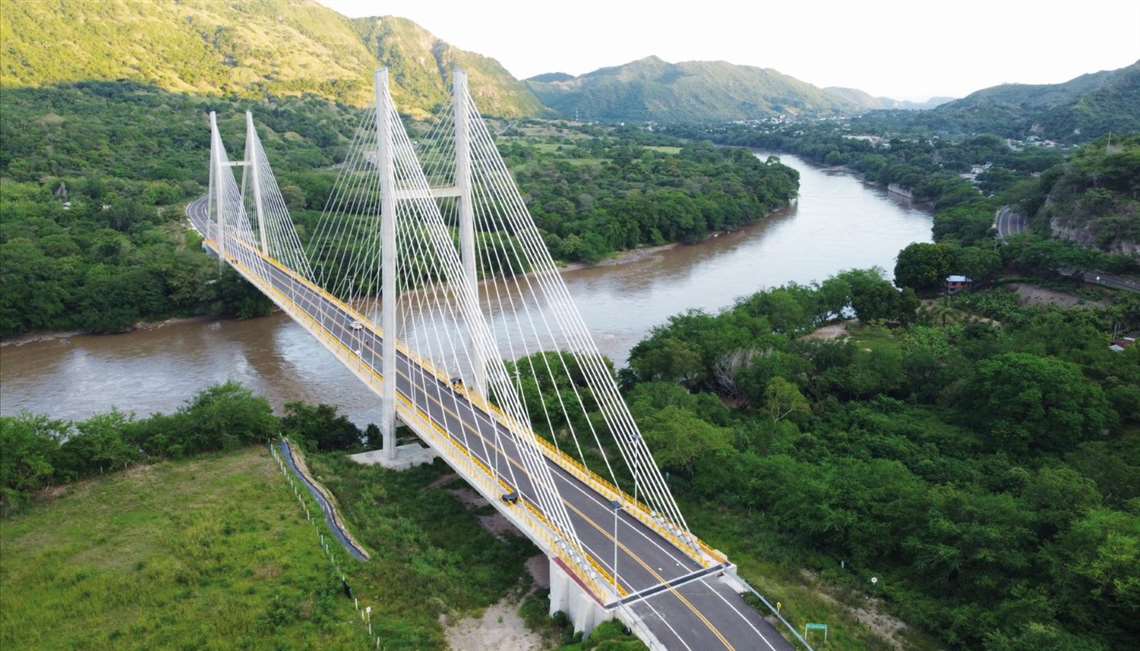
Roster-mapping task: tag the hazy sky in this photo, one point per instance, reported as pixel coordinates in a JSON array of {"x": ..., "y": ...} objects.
[{"x": 911, "y": 49}]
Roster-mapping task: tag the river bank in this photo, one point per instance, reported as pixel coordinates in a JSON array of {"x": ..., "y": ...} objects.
[
  {"x": 837, "y": 223},
  {"x": 43, "y": 337}
]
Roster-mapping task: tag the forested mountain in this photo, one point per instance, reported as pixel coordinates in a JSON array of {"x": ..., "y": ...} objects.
[
  {"x": 691, "y": 91},
  {"x": 869, "y": 102},
  {"x": 1077, "y": 110},
  {"x": 250, "y": 50}
]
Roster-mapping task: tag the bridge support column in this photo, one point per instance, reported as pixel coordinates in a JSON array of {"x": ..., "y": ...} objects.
[
  {"x": 467, "y": 251},
  {"x": 255, "y": 177},
  {"x": 387, "y": 264},
  {"x": 568, "y": 596},
  {"x": 216, "y": 190}
]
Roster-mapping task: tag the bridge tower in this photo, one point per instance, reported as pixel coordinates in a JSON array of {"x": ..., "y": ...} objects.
[
  {"x": 466, "y": 207},
  {"x": 387, "y": 263}
]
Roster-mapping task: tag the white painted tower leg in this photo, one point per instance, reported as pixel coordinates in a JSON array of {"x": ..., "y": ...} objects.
[
  {"x": 387, "y": 263},
  {"x": 466, "y": 209},
  {"x": 216, "y": 165},
  {"x": 255, "y": 178}
]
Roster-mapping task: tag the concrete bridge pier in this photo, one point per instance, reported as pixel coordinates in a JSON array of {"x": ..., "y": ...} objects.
[
  {"x": 403, "y": 457},
  {"x": 568, "y": 596}
]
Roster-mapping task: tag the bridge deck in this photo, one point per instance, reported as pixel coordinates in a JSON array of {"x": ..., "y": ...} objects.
[{"x": 673, "y": 590}]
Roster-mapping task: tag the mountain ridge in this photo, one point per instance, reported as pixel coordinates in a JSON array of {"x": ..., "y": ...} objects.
[
  {"x": 652, "y": 89},
  {"x": 1082, "y": 108},
  {"x": 271, "y": 48}
]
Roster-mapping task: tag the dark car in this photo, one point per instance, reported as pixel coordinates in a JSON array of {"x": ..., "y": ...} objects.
[{"x": 511, "y": 497}]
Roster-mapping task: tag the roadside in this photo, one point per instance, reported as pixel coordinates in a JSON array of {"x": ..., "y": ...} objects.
[{"x": 296, "y": 464}]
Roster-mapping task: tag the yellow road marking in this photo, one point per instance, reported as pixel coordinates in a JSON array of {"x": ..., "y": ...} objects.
[{"x": 712, "y": 628}]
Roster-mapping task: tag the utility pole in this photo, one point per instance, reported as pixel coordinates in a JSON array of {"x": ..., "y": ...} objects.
[
  {"x": 466, "y": 208},
  {"x": 251, "y": 161},
  {"x": 387, "y": 263},
  {"x": 216, "y": 163}
]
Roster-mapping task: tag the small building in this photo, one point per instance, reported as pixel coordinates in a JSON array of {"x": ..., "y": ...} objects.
[
  {"x": 1120, "y": 345},
  {"x": 955, "y": 284}
]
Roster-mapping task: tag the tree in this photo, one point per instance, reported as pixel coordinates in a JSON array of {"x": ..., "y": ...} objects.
[
  {"x": 1096, "y": 565},
  {"x": 679, "y": 438},
  {"x": 320, "y": 427},
  {"x": 782, "y": 399},
  {"x": 294, "y": 197},
  {"x": 923, "y": 266},
  {"x": 97, "y": 446},
  {"x": 28, "y": 445},
  {"x": 1024, "y": 403}
]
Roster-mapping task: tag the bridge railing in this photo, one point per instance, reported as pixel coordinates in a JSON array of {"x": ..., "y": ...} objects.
[
  {"x": 478, "y": 472},
  {"x": 574, "y": 467}
]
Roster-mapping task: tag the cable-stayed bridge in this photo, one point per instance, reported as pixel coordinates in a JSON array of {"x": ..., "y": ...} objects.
[{"x": 389, "y": 282}]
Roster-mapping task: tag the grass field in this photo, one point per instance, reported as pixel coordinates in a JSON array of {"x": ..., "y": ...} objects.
[
  {"x": 216, "y": 553},
  {"x": 201, "y": 554}
]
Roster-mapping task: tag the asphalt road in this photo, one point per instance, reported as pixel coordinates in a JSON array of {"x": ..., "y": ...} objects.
[
  {"x": 1010, "y": 223},
  {"x": 326, "y": 508},
  {"x": 688, "y": 608}
]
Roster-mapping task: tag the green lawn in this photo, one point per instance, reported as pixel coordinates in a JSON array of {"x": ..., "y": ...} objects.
[{"x": 208, "y": 553}]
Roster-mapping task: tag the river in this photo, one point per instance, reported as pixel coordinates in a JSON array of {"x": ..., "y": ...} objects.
[{"x": 838, "y": 222}]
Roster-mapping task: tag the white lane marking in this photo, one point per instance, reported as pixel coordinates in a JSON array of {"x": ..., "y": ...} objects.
[{"x": 740, "y": 614}]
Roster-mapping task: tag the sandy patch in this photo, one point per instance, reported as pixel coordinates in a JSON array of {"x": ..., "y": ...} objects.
[
  {"x": 869, "y": 613},
  {"x": 498, "y": 525},
  {"x": 443, "y": 480},
  {"x": 539, "y": 568},
  {"x": 469, "y": 497},
  {"x": 1034, "y": 295},
  {"x": 830, "y": 332},
  {"x": 499, "y": 627}
]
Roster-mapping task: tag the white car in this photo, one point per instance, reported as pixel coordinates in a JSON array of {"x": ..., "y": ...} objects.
[
  {"x": 356, "y": 325},
  {"x": 359, "y": 352}
]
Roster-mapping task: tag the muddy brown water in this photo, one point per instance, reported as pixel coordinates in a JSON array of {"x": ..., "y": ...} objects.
[{"x": 839, "y": 222}]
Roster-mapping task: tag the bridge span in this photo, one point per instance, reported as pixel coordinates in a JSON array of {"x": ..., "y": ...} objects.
[{"x": 611, "y": 554}]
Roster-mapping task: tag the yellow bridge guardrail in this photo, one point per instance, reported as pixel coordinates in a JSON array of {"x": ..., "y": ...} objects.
[
  {"x": 568, "y": 463},
  {"x": 416, "y": 413}
]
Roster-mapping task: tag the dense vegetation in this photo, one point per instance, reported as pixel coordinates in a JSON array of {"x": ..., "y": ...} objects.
[
  {"x": 272, "y": 48},
  {"x": 115, "y": 250},
  {"x": 985, "y": 472},
  {"x": 1096, "y": 194},
  {"x": 928, "y": 167},
  {"x": 594, "y": 196}
]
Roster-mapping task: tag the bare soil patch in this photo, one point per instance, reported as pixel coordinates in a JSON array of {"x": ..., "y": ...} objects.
[
  {"x": 1034, "y": 295},
  {"x": 499, "y": 627},
  {"x": 830, "y": 332}
]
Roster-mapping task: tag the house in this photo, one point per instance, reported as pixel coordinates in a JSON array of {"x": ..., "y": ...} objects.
[
  {"x": 955, "y": 284},
  {"x": 1121, "y": 344}
]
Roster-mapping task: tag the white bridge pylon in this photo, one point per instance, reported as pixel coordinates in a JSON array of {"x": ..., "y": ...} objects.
[{"x": 418, "y": 243}]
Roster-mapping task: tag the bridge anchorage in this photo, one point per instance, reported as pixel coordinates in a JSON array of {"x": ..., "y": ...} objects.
[{"x": 427, "y": 277}]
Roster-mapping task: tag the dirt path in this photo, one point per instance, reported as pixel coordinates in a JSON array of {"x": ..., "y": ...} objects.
[{"x": 499, "y": 627}]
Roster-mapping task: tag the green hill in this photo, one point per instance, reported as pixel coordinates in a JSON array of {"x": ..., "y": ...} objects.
[
  {"x": 691, "y": 91},
  {"x": 421, "y": 66},
  {"x": 270, "y": 47},
  {"x": 1077, "y": 110},
  {"x": 869, "y": 102},
  {"x": 173, "y": 555}
]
